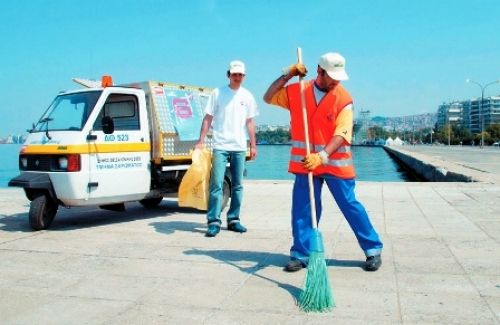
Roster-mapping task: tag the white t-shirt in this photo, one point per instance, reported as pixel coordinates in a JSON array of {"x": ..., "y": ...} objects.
[{"x": 230, "y": 110}]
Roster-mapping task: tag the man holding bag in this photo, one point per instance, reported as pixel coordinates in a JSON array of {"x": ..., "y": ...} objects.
[{"x": 230, "y": 112}]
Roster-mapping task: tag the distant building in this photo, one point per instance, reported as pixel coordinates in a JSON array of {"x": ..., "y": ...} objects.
[
  {"x": 469, "y": 113},
  {"x": 450, "y": 113},
  {"x": 364, "y": 123},
  {"x": 361, "y": 133},
  {"x": 11, "y": 139},
  {"x": 490, "y": 109},
  {"x": 268, "y": 127}
]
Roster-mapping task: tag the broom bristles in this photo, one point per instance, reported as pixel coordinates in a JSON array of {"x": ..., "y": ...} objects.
[{"x": 317, "y": 294}]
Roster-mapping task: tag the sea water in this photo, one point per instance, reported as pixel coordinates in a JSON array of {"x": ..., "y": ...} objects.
[
  {"x": 371, "y": 164},
  {"x": 9, "y": 162}
]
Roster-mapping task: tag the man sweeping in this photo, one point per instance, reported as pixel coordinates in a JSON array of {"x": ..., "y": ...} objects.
[{"x": 329, "y": 122}]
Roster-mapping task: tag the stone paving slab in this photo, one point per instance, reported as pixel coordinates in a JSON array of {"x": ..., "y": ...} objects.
[{"x": 440, "y": 261}]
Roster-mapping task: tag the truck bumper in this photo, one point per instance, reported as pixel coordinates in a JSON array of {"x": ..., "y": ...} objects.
[{"x": 33, "y": 183}]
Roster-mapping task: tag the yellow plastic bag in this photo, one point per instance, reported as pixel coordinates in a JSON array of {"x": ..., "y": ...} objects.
[{"x": 193, "y": 191}]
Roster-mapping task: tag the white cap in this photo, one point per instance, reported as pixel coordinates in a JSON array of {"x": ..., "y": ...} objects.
[
  {"x": 236, "y": 67},
  {"x": 334, "y": 65}
]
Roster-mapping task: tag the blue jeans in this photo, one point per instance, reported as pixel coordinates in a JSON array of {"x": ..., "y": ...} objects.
[
  {"x": 354, "y": 212},
  {"x": 237, "y": 166}
]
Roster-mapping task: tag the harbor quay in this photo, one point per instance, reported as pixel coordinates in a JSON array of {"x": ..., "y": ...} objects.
[
  {"x": 450, "y": 163},
  {"x": 154, "y": 266}
]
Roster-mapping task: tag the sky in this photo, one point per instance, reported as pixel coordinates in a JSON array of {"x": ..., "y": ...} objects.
[{"x": 402, "y": 57}]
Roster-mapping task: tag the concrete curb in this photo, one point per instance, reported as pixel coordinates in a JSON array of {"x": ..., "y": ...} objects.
[{"x": 437, "y": 170}]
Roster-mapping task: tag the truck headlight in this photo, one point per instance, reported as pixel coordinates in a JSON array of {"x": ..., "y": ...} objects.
[
  {"x": 24, "y": 162},
  {"x": 63, "y": 163}
]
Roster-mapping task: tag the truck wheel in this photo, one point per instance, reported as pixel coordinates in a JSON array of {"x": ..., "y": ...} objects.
[
  {"x": 226, "y": 193},
  {"x": 42, "y": 212},
  {"x": 151, "y": 203}
]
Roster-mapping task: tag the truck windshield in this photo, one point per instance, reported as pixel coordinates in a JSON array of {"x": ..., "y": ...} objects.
[{"x": 68, "y": 112}]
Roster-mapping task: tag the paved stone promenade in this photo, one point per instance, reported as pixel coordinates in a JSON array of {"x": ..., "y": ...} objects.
[{"x": 441, "y": 262}]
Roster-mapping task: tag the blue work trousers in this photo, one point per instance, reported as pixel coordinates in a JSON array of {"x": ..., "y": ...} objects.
[
  {"x": 354, "y": 212},
  {"x": 220, "y": 158}
]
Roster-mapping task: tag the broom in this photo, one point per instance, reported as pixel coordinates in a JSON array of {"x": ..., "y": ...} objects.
[{"x": 317, "y": 294}]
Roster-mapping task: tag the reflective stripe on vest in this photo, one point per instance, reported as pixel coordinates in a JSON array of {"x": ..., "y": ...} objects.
[
  {"x": 318, "y": 147},
  {"x": 331, "y": 162}
]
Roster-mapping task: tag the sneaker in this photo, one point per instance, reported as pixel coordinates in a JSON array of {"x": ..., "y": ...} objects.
[
  {"x": 373, "y": 263},
  {"x": 212, "y": 231},
  {"x": 236, "y": 227},
  {"x": 294, "y": 266}
]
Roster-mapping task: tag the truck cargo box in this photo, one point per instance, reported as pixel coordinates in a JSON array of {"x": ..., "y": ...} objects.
[{"x": 176, "y": 112}]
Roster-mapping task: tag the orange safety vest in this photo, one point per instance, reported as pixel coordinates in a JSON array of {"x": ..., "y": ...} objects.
[{"x": 321, "y": 124}]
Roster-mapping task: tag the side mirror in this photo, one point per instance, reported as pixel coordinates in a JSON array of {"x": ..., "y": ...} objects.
[{"x": 108, "y": 126}]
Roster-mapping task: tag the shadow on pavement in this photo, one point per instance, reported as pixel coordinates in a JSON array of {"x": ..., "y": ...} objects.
[
  {"x": 87, "y": 217},
  {"x": 261, "y": 260},
  {"x": 345, "y": 263},
  {"x": 170, "y": 227},
  {"x": 15, "y": 223}
]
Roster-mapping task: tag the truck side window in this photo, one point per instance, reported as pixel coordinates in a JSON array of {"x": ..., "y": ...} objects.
[{"x": 124, "y": 111}]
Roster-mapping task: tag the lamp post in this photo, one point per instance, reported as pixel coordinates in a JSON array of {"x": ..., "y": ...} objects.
[
  {"x": 482, "y": 107},
  {"x": 413, "y": 130},
  {"x": 449, "y": 130}
]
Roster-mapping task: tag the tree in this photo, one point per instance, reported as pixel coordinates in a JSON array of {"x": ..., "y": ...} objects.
[
  {"x": 377, "y": 132},
  {"x": 278, "y": 136},
  {"x": 441, "y": 135},
  {"x": 486, "y": 136},
  {"x": 424, "y": 135},
  {"x": 494, "y": 131},
  {"x": 461, "y": 135}
]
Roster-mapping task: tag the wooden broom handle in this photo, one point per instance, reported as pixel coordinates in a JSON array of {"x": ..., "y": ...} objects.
[{"x": 314, "y": 223}]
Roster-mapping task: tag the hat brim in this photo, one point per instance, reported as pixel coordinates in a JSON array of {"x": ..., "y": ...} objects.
[
  {"x": 338, "y": 75},
  {"x": 237, "y": 70}
]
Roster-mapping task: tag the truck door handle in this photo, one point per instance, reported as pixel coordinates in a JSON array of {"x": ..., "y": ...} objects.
[
  {"x": 91, "y": 137},
  {"x": 93, "y": 184}
]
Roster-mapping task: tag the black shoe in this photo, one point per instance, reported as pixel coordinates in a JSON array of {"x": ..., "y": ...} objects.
[
  {"x": 294, "y": 266},
  {"x": 236, "y": 227},
  {"x": 212, "y": 231},
  {"x": 373, "y": 263}
]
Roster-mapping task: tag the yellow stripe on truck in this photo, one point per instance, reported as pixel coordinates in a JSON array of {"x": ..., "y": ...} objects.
[{"x": 86, "y": 148}]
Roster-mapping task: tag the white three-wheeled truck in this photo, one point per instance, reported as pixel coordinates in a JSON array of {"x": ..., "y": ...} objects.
[{"x": 105, "y": 145}]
